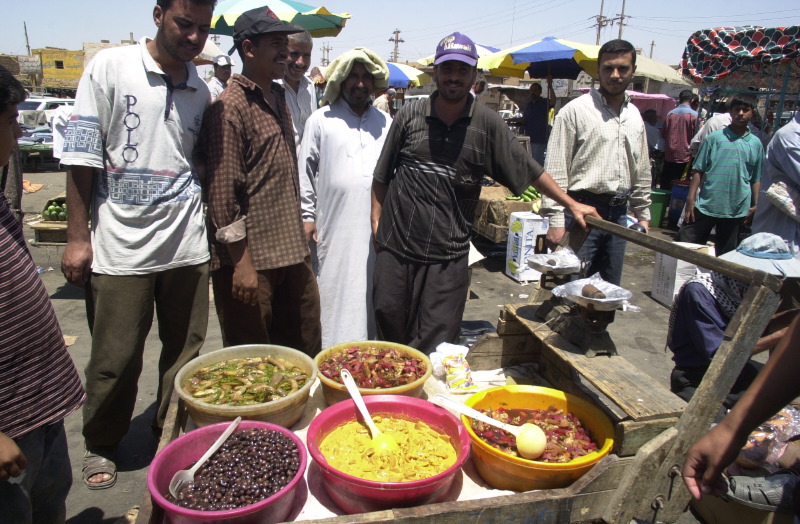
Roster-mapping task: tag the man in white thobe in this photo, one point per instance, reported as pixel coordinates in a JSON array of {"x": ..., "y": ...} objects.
[{"x": 338, "y": 153}]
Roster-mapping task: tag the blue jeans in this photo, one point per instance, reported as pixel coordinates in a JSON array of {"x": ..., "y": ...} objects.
[
  {"x": 39, "y": 494},
  {"x": 537, "y": 151},
  {"x": 604, "y": 252}
]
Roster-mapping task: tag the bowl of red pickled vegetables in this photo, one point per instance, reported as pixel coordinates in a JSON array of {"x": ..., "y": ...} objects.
[
  {"x": 379, "y": 368},
  {"x": 578, "y": 436}
]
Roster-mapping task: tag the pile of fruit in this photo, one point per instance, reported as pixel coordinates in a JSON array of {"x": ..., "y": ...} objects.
[{"x": 55, "y": 212}]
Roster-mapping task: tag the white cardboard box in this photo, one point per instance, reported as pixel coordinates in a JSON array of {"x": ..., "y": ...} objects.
[
  {"x": 526, "y": 230},
  {"x": 670, "y": 273}
]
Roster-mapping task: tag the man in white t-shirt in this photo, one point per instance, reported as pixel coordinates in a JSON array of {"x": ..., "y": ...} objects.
[
  {"x": 222, "y": 73},
  {"x": 128, "y": 153},
  {"x": 301, "y": 97}
]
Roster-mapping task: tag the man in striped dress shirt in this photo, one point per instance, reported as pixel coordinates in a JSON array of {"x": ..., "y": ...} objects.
[{"x": 598, "y": 152}]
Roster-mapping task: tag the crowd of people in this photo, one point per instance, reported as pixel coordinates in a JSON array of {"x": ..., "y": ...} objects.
[{"x": 317, "y": 219}]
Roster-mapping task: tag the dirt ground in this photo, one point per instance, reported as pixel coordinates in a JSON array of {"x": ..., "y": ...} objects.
[{"x": 639, "y": 337}]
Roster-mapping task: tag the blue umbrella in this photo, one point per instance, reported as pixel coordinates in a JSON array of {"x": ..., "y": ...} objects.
[
  {"x": 404, "y": 76},
  {"x": 549, "y": 56}
]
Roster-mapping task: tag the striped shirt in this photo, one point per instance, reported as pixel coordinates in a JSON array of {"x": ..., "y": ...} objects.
[
  {"x": 730, "y": 165},
  {"x": 433, "y": 172},
  {"x": 251, "y": 167},
  {"x": 592, "y": 148},
  {"x": 39, "y": 384}
]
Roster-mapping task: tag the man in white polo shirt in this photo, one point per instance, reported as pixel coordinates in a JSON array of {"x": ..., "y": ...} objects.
[{"x": 128, "y": 151}]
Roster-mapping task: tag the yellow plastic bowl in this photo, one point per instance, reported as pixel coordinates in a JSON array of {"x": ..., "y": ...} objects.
[
  {"x": 504, "y": 471},
  {"x": 335, "y": 392},
  {"x": 283, "y": 412}
]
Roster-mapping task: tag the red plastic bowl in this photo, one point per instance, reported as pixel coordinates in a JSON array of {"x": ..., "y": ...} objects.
[
  {"x": 356, "y": 495},
  {"x": 185, "y": 450}
]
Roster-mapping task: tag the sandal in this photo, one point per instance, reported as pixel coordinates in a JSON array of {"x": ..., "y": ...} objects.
[
  {"x": 770, "y": 493},
  {"x": 95, "y": 464}
]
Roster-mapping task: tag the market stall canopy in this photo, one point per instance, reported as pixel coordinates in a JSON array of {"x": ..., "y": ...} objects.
[
  {"x": 210, "y": 51},
  {"x": 655, "y": 70},
  {"x": 712, "y": 55},
  {"x": 405, "y": 76},
  {"x": 483, "y": 50},
  {"x": 549, "y": 56},
  {"x": 317, "y": 20}
]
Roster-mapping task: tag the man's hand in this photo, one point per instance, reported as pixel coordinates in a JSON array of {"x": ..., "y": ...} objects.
[
  {"x": 245, "y": 284},
  {"x": 12, "y": 460},
  {"x": 76, "y": 262},
  {"x": 705, "y": 461},
  {"x": 688, "y": 212},
  {"x": 579, "y": 211},
  {"x": 310, "y": 230},
  {"x": 554, "y": 236},
  {"x": 749, "y": 218},
  {"x": 645, "y": 224}
]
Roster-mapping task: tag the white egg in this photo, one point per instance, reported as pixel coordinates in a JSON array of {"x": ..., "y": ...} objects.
[{"x": 531, "y": 441}]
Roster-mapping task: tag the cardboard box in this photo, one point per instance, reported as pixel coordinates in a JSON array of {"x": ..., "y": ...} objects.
[
  {"x": 526, "y": 236},
  {"x": 493, "y": 212},
  {"x": 670, "y": 273}
]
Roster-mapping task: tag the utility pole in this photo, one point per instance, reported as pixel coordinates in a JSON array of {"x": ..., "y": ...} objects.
[
  {"x": 326, "y": 48},
  {"x": 27, "y": 43},
  {"x": 397, "y": 40},
  {"x": 621, "y": 19},
  {"x": 602, "y": 21},
  {"x": 652, "y": 45}
]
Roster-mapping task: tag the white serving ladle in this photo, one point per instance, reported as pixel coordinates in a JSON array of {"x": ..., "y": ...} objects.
[
  {"x": 380, "y": 441},
  {"x": 531, "y": 440}
]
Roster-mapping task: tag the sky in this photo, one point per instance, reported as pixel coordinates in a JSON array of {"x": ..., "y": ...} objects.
[{"x": 422, "y": 23}]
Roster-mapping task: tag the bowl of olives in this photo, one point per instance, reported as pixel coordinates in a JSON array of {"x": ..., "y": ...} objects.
[{"x": 254, "y": 477}]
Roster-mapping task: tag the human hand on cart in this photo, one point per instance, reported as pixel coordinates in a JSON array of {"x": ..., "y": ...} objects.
[{"x": 707, "y": 459}]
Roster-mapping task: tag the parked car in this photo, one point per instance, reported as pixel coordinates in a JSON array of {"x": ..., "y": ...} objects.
[{"x": 38, "y": 110}]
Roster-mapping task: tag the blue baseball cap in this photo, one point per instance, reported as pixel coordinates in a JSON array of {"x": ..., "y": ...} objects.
[
  {"x": 456, "y": 47},
  {"x": 765, "y": 252}
]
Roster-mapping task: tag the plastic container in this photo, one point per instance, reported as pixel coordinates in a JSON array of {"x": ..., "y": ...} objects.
[
  {"x": 283, "y": 412},
  {"x": 680, "y": 191},
  {"x": 503, "y": 471},
  {"x": 335, "y": 392},
  {"x": 659, "y": 200},
  {"x": 185, "y": 450},
  {"x": 356, "y": 495}
]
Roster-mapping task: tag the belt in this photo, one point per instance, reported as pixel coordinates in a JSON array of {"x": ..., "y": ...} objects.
[{"x": 603, "y": 198}]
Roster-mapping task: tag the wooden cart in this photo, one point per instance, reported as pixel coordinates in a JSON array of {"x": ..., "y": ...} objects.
[{"x": 653, "y": 428}]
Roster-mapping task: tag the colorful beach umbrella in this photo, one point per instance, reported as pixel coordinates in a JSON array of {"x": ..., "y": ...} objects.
[
  {"x": 405, "y": 76},
  {"x": 549, "y": 56},
  {"x": 483, "y": 50},
  {"x": 317, "y": 20}
]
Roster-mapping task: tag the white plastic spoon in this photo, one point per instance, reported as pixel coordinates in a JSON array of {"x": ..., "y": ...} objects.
[
  {"x": 531, "y": 440},
  {"x": 186, "y": 476},
  {"x": 381, "y": 441}
]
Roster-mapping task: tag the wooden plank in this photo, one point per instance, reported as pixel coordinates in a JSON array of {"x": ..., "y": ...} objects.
[
  {"x": 641, "y": 397},
  {"x": 631, "y": 435},
  {"x": 492, "y": 351}
]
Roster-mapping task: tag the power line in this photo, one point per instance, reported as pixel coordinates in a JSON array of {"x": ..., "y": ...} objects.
[{"x": 397, "y": 40}]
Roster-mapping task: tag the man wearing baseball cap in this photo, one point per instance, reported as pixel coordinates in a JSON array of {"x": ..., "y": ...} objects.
[
  {"x": 425, "y": 188},
  {"x": 222, "y": 73},
  {"x": 264, "y": 287}
]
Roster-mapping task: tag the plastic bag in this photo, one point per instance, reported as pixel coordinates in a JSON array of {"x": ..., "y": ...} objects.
[
  {"x": 615, "y": 296},
  {"x": 561, "y": 262},
  {"x": 767, "y": 443},
  {"x": 450, "y": 364}
]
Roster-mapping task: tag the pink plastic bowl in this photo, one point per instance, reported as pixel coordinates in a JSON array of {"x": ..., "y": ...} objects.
[
  {"x": 356, "y": 495},
  {"x": 185, "y": 450}
]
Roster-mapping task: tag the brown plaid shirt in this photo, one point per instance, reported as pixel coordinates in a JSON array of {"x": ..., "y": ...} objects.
[{"x": 249, "y": 153}]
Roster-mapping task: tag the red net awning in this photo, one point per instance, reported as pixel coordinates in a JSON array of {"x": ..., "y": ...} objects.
[{"x": 715, "y": 54}]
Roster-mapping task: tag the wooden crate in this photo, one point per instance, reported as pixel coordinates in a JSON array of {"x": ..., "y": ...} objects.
[{"x": 47, "y": 233}]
